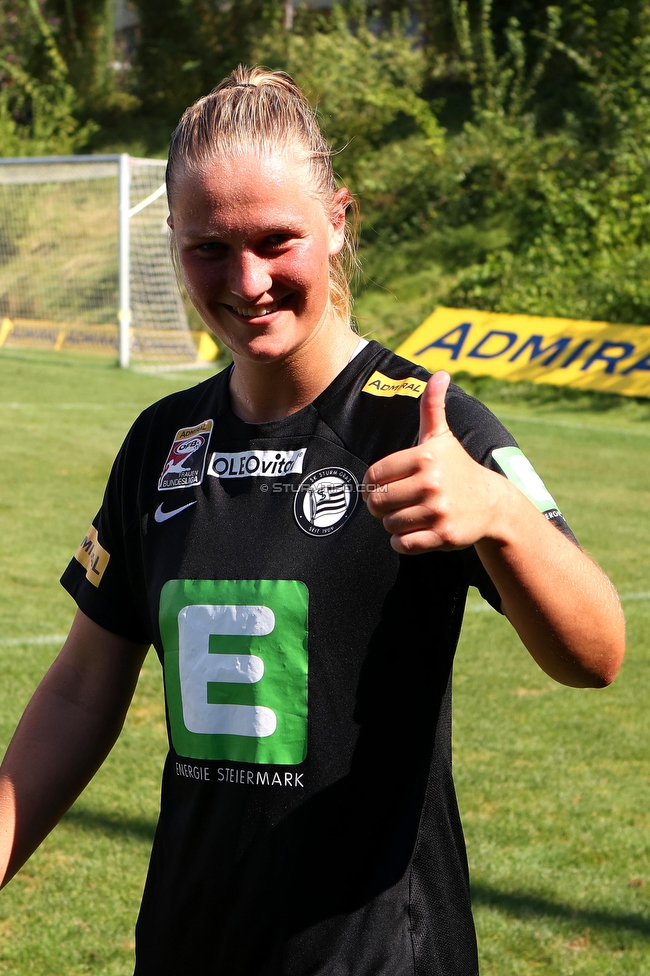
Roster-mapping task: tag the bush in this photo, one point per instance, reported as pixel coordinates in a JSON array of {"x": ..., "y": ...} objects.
[
  {"x": 534, "y": 198},
  {"x": 504, "y": 211},
  {"x": 37, "y": 114}
]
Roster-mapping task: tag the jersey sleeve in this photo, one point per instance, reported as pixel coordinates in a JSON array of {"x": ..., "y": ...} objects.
[
  {"x": 486, "y": 440},
  {"x": 105, "y": 577}
]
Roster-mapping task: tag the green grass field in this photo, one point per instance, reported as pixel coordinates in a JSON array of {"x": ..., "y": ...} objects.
[{"x": 553, "y": 783}]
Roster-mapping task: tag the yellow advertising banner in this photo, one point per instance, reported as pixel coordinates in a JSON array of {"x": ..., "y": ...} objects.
[{"x": 563, "y": 352}]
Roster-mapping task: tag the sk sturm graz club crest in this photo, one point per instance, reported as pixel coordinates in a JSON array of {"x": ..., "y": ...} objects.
[
  {"x": 325, "y": 500},
  {"x": 186, "y": 459}
]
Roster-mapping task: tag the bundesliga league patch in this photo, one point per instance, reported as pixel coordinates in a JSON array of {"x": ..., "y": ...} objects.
[
  {"x": 185, "y": 462},
  {"x": 325, "y": 501}
]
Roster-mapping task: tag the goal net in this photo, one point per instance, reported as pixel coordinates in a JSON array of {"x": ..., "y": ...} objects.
[{"x": 85, "y": 260}]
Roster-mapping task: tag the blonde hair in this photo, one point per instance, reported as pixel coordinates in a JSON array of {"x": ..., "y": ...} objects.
[{"x": 258, "y": 109}]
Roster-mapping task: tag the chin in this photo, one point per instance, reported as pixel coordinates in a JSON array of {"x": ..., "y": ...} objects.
[
  {"x": 262, "y": 349},
  {"x": 269, "y": 347}
]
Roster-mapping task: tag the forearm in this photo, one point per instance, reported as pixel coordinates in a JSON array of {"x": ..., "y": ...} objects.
[
  {"x": 561, "y": 604},
  {"x": 56, "y": 750},
  {"x": 66, "y": 732}
]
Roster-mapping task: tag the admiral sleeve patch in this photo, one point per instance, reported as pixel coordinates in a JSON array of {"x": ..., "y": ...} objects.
[
  {"x": 93, "y": 556},
  {"x": 386, "y": 386}
]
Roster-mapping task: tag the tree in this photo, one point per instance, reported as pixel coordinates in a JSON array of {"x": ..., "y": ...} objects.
[
  {"x": 37, "y": 102},
  {"x": 85, "y": 39},
  {"x": 188, "y": 46}
]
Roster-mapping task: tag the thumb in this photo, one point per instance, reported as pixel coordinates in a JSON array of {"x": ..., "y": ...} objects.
[{"x": 433, "y": 419}]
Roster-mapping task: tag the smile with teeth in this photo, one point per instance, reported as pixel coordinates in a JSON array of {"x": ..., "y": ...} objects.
[{"x": 256, "y": 311}]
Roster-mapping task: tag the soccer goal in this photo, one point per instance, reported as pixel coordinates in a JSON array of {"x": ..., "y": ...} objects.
[{"x": 85, "y": 260}]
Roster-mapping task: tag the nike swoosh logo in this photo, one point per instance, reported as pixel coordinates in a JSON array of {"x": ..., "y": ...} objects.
[{"x": 161, "y": 516}]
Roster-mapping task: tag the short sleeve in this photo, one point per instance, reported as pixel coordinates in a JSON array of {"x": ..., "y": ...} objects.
[
  {"x": 486, "y": 440},
  {"x": 105, "y": 576}
]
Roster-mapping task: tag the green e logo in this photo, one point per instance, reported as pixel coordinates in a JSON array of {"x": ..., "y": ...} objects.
[{"x": 236, "y": 668}]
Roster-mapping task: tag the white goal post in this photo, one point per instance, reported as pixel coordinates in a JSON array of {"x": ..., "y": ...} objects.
[{"x": 85, "y": 260}]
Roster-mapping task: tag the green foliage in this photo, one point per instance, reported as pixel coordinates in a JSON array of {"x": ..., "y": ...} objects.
[
  {"x": 500, "y": 152},
  {"x": 365, "y": 84},
  {"x": 188, "y": 46},
  {"x": 37, "y": 110},
  {"x": 86, "y": 39},
  {"x": 515, "y": 216},
  {"x": 577, "y": 199},
  {"x": 501, "y": 85}
]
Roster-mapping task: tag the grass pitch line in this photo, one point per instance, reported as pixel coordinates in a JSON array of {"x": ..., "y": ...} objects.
[
  {"x": 471, "y": 607},
  {"x": 42, "y": 639},
  {"x": 483, "y": 607},
  {"x": 545, "y": 422},
  {"x": 13, "y": 405}
]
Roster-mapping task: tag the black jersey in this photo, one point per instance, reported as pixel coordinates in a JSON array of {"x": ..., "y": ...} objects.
[{"x": 308, "y": 821}]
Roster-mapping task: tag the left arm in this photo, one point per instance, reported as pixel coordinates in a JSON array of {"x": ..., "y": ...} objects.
[{"x": 561, "y": 604}]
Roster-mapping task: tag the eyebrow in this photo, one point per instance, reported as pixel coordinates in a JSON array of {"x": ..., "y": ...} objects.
[{"x": 206, "y": 233}]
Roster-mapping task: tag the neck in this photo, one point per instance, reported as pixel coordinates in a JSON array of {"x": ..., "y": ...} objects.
[{"x": 265, "y": 391}]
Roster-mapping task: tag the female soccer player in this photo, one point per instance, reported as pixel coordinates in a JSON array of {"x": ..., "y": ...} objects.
[{"x": 296, "y": 537}]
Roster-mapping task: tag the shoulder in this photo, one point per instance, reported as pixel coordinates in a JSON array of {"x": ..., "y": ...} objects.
[
  {"x": 376, "y": 411},
  {"x": 372, "y": 406},
  {"x": 183, "y": 410},
  {"x": 164, "y": 435},
  {"x": 475, "y": 426},
  {"x": 210, "y": 394}
]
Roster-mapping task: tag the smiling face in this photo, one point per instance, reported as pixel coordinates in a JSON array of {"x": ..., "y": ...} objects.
[{"x": 254, "y": 242}]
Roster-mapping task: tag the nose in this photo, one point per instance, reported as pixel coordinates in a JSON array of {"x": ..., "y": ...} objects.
[{"x": 248, "y": 275}]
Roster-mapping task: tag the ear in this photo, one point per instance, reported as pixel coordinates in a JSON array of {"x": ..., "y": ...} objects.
[
  {"x": 340, "y": 203},
  {"x": 170, "y": 222}
]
